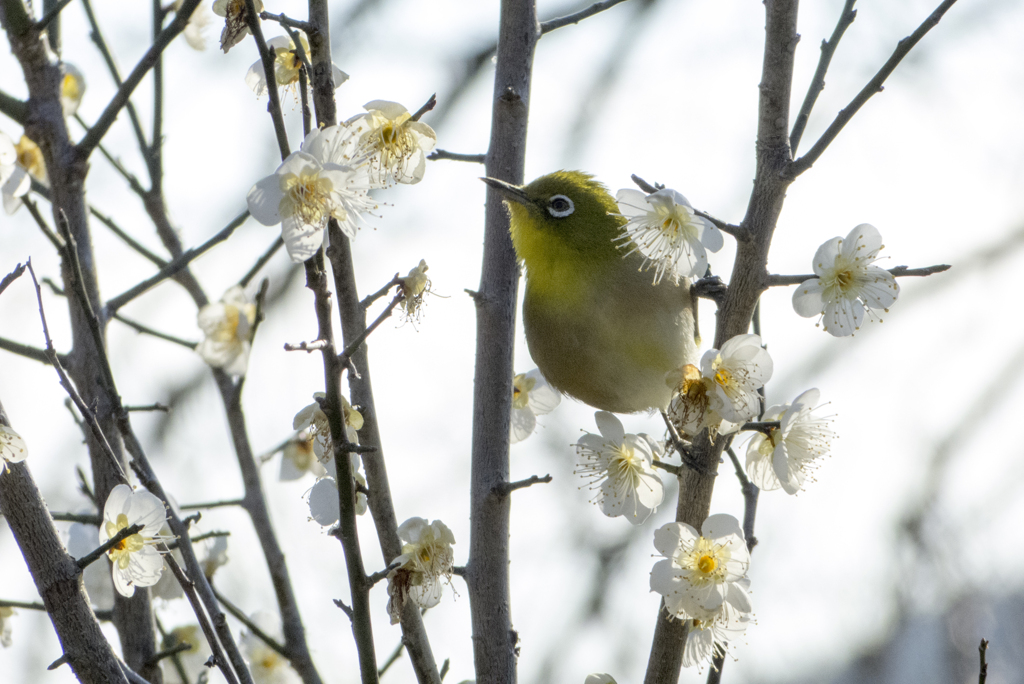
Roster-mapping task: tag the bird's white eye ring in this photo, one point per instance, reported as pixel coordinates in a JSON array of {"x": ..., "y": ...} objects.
[{"x": 560, "y": 206}]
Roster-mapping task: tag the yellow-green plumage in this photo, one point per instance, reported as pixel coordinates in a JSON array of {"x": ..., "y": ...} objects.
[{"x": 596, "y": 326}]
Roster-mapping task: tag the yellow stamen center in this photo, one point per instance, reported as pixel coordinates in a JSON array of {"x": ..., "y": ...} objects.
[
  {"x": 707, "y": 564},
  {"x": 122, "y": 551}
]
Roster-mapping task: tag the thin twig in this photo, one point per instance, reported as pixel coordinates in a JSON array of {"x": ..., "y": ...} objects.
[
  {"x": 750, "y": 494},
  {"x": 764, "y": 426},
  {"x": 506, "y": 488},
  {"x": 83, "y": 518},
  {"x": 828, "y": 49},
  {"x": 381, "y": 574},
  {"x": 97, "y": 38},
  {"x": 91, "y": 557},
  {"x": 577, "y": 17},
  {"x": 427, "y": 106},
  {"x": 170, "y": 652},
  {"x": 128, "y": 239},
  {"x": 737, "y": 232},
  {"x": 903, "y": 48},
  {"x": 356, "y": 343},
  {"x": 11, "y": 277},
  {"x": 188, "y": 586},
  {"x": 213, "y": 504},
  {"x": 674, "y": 469},
  {"x": 391, "y": 659},
  {"x": 22, "y": 605},
  {"x": 438, "y": 155},
  {"x": 285, "y": 21},
  {"x": 41, "y": 222},
  {"x": 308, "y": 347},
  {"x": 898, "y": 272},
  {"x": 371, "y": 298},
  {"x": 45, "y": 20},
  {"x": 138, "y": 327},
  {"x": 65, "y": 381},
  {"x": 268, "y": 59},
  {"x": 252, "y": 626},
  {"x": 983, "y": 668},
  {"x": 261, "y": 262},
  {"x": 106, "y": 120},
  {"x": 175, "y": 266},
  {"x": 149, "y": 407},
  {"x": 25, "y": 350}
]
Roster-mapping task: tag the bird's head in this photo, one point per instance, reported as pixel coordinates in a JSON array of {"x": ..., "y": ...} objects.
[{"x": 563, "y": 212}]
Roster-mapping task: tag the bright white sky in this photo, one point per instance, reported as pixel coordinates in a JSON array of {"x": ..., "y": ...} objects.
[{"x": 934, "y": 163}]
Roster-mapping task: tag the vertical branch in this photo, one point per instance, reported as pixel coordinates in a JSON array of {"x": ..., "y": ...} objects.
[
  {"x": 86, "y": 361},
  {"x": 487, "y": 573},
  {"x": 749, "y": 277},
  {"x": 154, "y": 155},
  {"x": 254, "y": 502},
  {"x": 347, "y": 532},
  {"x": 56, "y": 576},
  {"x": 353, "y": 324}
]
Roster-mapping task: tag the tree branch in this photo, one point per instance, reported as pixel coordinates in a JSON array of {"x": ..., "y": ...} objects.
[
  {"x": 93, "y": 556},
  {"x": 898, "y": 272},
  {"x": 174, "y": 266},
  {"x": 828, "y": 50},
  {"x": 577, "y": 17},
  {"x": 120, "y": 100},
  {"x": 268, "y": 59},
  {"x": 437, "y": 155},
  {"x": 506, "y": 488},
  {"x": 903, "y": 48}
]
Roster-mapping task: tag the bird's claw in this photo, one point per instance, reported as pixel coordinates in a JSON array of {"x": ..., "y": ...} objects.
[{"x": 710, "y": 287}]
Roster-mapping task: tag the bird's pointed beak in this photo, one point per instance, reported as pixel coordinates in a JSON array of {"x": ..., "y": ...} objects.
[{"x": 507, "y": 190}]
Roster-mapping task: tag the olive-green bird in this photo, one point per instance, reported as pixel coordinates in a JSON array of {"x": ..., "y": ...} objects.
[{"x": 596, "y": 325}]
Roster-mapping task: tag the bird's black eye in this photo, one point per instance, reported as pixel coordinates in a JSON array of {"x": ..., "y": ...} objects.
[{"x": 560, "y": 206}]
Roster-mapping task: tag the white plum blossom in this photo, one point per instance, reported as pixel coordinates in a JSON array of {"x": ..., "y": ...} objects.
[
  {"x": 737, "y": 371},
  {"x": 664, "y": 229},
  {"x": 847, "y": 282},
  {"x": 324, "y": 506},
  {"x": 14, "y": 179},
  {"x": 395, "y": 144},
  {"x": 599, "y": 678},
  {"x": 135, "y": 561},
  {"x": 532, "y": 396},
  {"x": 12, "y": 447},
  {"x": 72, "y": 88},
  {"x": 711, "y": 633},
  {"x": 286, "y": 67},
  {"x": 266, "y": 665},
  {"x": 619, "y": 466},
  {"x": 691, "y": 408},
  {"x": 195, "y": 29},
  {"x": 313, "y": 420},
  {"x": 701, "y": 571},
  {"x": 6, "y": 627},
  {"x": 426, "y": 558},
  {"x": 782, "y": 457},
  {"x": 228, "y": 327},
  {"x": 307, "y": 189},
  {"x": 298, "y": 458},
  {"x": 235, "y": 25},
  {"x": 412, "y": 288},
  {"x": 30, "y": 158}
]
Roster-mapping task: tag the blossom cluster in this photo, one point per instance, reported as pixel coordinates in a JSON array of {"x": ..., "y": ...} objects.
[
  {"x": 333, "y": 172},
  {"x": 417, "y": 573},
  {"x": 702, "y": 578}
]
